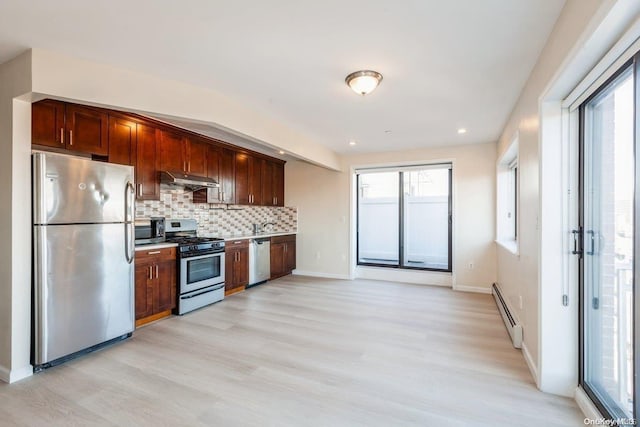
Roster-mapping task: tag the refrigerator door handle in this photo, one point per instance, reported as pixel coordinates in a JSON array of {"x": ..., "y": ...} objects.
[{"x": 129, "y": 249}]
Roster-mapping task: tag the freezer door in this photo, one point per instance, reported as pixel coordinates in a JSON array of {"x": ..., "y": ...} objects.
[
  {"x": 83, "y": 288},
  {"x": 69, "y": 190}
]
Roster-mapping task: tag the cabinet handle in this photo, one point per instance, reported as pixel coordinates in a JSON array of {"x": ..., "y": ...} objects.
[
  {"x": 140, "y": 190},
  {"x": 70, "y": 137},
  {"x": 156, "y": 271},
  {"x": 285, "y": 248},
  {"x": 150, "y": 273},
  {"x": 189, "y": 166},
  {"x": 153, "y": 252},
  {"x": 221, "y": 196},
  {"x": 61, "y": 135}
]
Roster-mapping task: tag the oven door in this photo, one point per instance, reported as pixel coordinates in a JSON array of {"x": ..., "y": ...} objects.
[{"x": 197, "y": 272}]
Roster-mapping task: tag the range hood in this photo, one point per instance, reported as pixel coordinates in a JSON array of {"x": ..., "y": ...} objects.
[{"x": 186, "y": 180}]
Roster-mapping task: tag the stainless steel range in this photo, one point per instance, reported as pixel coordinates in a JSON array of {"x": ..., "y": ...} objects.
[{"x": 200, "y": 265}]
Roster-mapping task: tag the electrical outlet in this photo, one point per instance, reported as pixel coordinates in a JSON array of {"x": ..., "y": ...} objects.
[{"x": 471, "y": 265}]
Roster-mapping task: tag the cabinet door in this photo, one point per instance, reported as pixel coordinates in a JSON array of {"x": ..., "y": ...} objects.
[
  {"x": 278, "y": 183},
  {"x": 87, "y": 130},
  {"x": 147, "y": 154},
  {"x": 143, "y": 290},
  {"x": 268, "y": 191},
  {"x": 197, "y": 159},
  {"x": 290, "y": 256},
  {"x": 255, "y": 180},
  {"x": 123, "y": 136},
  {"x": 277, "y": 259},
  {"x": 165, "y": 291},
  {"x": 229, "y": 259},
  {"x": 227, "y": 176},
  {"x": 47, "y": 123},
  {"x": 172, "y": 152},
  {"x": 241, "y": 267},
  {"x": 242, "y": 179}
]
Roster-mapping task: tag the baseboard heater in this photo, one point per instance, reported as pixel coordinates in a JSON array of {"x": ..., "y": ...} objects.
[{"x": 513, "y": 326}]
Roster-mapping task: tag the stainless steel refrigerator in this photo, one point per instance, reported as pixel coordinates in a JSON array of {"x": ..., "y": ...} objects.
[{"x": 83, "y": 251}]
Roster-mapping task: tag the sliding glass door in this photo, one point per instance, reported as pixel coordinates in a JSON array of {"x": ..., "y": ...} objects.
[
  {"x": 608, "y": 229},
  {"x": 404, "y": 217}
]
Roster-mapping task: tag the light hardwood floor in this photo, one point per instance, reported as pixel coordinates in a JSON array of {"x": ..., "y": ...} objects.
[{"x": 303, "y": 352}]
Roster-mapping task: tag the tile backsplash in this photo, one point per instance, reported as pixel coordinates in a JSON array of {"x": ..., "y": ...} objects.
[{"x": 217, "y": 220}]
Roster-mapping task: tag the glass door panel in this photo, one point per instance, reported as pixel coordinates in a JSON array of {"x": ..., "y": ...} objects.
[
  {"x": 378, "y": 218},
  {"x": 426, "y": 213},
  {"x": 608, "y": 247}
]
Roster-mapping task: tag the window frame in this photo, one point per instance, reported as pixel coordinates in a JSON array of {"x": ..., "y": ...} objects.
[
  {"x": 508, "y": 198},
  {"x": 400, "y": 170}
]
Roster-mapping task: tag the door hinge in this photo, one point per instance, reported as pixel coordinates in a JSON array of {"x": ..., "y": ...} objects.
[
  {"x": 595, "y": 302},
  {"x": 565, "y": 300}
]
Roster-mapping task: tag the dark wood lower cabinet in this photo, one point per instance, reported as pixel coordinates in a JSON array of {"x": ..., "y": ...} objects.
[
  {"x": 236, "y": 266},
  {"x": 283, "y": 255},
  {"x": 155, "y": 284}
]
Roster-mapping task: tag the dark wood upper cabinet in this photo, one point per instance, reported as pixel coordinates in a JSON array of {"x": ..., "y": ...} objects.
[
  {"x": 220, "y": 167},
  {"x": 123, "y": 138},
  {"x": 243, "y": 196},
  {"x": 87, "y": 130},
  {"x": 147, "y": 163},
  {"x": 268, "y": 191},
  {"x": 172, "y": 152},
  {"x": 248, "y": 179},
  {"x": 197, "y": 157},
  {"x": 272, "y": 183},
  {"x": 47, "y": 123},
  {"x": 278, "y": 183},
  {"x": 150, "y": 146},
  {"x": 227, "y": 176}
]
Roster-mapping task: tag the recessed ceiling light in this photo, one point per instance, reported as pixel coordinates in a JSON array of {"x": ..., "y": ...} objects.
[
  {"x": 352, "y": 143},
  {"x": 281, "y": 152},
  {"x": 387, "y": 131},
  {"x": 462, "y": 131}
]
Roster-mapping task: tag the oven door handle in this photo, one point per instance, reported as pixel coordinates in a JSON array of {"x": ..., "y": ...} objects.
[{"x": 203, "y": 292}]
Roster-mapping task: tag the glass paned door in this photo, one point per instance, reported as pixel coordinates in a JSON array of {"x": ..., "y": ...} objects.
[
  {"x": 426, "y": 218},
  {"x": 607, "y": 267},
  {"x": 378, "y": 222}
]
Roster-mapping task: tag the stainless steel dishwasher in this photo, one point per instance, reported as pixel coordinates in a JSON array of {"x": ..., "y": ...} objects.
[{"x": 259, "y": 260}]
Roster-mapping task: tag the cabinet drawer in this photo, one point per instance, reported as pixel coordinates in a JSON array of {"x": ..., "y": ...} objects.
[
  {"x": 163, "y": 254},
  {"x": 283, "y": 239},
  {"x": 236, "y": 244}
]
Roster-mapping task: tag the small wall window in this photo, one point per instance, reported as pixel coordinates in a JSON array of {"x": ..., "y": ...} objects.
[{"x": 508, "y": 195}]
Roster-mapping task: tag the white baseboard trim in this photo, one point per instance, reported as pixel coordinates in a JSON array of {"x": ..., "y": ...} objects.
[
  {"x": 417, "y": 277},
  {"x": 9, "y": 376},
  {"x": 476, "y": 289},
  {"x": 319, "y": 274},
  {"x": 532, "y": 367},
  {"x": 586, "y": 405}
]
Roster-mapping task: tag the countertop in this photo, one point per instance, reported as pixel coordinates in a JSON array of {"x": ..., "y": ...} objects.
[
  {"x": 153, "y": 246},
  {"x": 259, "y": 235}
]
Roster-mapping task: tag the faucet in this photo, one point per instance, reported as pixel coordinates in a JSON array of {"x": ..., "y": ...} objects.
[
  {"x": 265, "y": 224},
  {"x": 259, "y": 228}
]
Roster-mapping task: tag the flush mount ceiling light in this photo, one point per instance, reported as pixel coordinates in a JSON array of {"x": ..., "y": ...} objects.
[
  {"x": 462, "y": 131},
  {"x": 363, "y": 82}
]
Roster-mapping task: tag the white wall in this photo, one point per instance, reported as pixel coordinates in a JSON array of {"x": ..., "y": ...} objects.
[
  {"x": 323, "y": 200},
  {"x": 15, "y": 227},
  {"x": 550, "y": 329}
]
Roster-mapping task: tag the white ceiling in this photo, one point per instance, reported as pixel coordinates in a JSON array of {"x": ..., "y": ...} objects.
[{"x": 446, "y": 64}]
